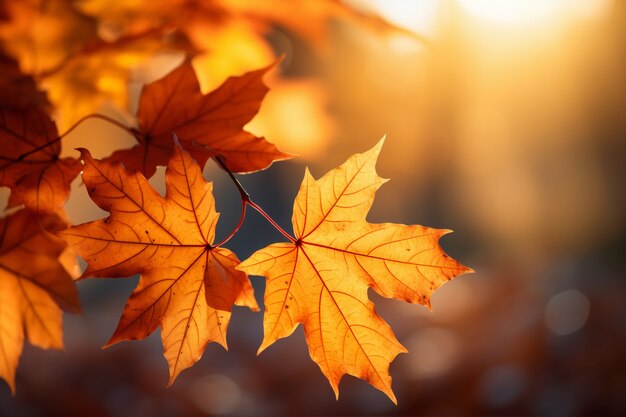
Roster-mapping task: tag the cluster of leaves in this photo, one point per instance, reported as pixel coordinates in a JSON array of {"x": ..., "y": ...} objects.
[{"x": 319, "y": 277}]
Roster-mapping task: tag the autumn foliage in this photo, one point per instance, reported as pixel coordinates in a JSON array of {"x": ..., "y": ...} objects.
[
  {"x": 189, "y": 282},
  {"x": 208, "y": 125},
  {"x": 187, "y": 286}
]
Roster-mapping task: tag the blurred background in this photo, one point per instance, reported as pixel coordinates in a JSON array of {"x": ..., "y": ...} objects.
[{"x": 505, "y": 121}]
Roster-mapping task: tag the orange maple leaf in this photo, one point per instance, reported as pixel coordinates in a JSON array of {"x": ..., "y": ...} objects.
[
  {"x": 187, "y": 286},
  {"x": 30, "y": 163},
  {"x": 207, "y": 124},
  {"x": 34, "y": 287},
  {"x": 321, "y": 278}
]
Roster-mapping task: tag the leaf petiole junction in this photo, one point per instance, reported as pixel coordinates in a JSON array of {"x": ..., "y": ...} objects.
[{"x": 247, "y": 201}]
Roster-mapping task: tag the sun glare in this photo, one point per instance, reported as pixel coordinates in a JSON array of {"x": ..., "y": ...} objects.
[
  {"x": 420, "y": 16},
  {"x": 514, "y": 12},
  {"x": 417, "y": 16}
]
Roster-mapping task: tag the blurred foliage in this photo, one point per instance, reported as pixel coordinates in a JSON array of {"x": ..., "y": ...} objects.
[{"x": 512, "y": 134}]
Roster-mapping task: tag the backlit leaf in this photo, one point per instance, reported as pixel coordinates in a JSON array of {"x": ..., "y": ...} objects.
[
  {"x": 207, "y": 124},
  {"x": 29, "y": 160},
  {"x": 321, "y": 279},
  {"x": 34, "y": 287},
  {"x": 187, "y": 286}
]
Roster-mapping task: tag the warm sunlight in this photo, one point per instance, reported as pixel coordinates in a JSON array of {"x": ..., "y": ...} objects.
[
  {"x": 417, "y": 16},
  {"x": 204, "y": 185},
  {"x": 421, "y": 16},
  {"x": 515, "y": 12}
]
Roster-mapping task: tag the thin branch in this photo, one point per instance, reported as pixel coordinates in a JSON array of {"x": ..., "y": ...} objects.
[
  {"x": 245, "y": 199},
  {"x": 272, "y": 222},
  {"x": 130, "y": 130},
  {"x": 237, "y": 227}
]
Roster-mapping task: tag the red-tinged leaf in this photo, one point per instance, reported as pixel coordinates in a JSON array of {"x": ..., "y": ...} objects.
[
  {"x": 207, "y": 124},
  {"x": 34, "y": 287},
  {"x": 321, "y": 279},
  {"x": 187, "y": 286},
  {"x": 29, "y": 160}
]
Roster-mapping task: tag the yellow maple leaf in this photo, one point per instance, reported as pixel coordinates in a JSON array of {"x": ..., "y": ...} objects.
[{"x": 320, "y": 279}]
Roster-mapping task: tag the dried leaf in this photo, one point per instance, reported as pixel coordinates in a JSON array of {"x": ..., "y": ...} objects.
[
  {"x": 34, "y": 287},
  {"x": 321, "y": 279},
  {"x": 30, "y": 163}
]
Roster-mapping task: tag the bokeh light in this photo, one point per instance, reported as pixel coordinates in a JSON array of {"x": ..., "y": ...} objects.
[
  {"x": 567, "y": 312},
  {"x": 434, "y": 352},
  {"x": 215, "y": 394},
  {"x": 502, "y": 385}
]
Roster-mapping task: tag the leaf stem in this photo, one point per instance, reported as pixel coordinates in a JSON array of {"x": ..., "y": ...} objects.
[
  {"x": 121, "y": 125},
  {"x": 269, "y": 219},
  {"x": 246, "y": 200},
  {"x": 237, "y": 227},
  {"x": 245, "y": 197}
]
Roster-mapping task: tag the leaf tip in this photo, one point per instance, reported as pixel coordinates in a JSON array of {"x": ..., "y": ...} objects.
[
  {"x": 307, "y": 176},
  {"x": 10, "y": 381},
  {"x": 112, "y": 341},
  {"x": 264, "y": 345},
  {"x": 283, "y": 156},
  {"x": 223, "y": 343},
  {"x": 374, "y": 151},
  {"x": 443, "y": 232},
  {"x": 84, "y": 154},
  {"x": 379, "y": 145},
  {"x": 335, "y": 386},
  {"x": 279, "y": 60},
  {"x": 392, "y": 397}
]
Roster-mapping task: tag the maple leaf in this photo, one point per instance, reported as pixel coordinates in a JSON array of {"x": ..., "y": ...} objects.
[
  {"x": 207, "y": 124},
  {"x": 187, "y": 286},
  {"x": 321, "y": 278},
  {"x": 34, "y": 287},
  {"x": 29, "y": 160}
]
